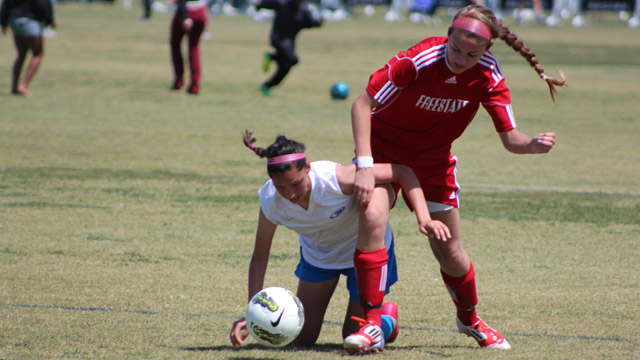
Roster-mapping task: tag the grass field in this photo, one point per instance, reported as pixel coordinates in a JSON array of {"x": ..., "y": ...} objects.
[{"x": 127, "y": 211}]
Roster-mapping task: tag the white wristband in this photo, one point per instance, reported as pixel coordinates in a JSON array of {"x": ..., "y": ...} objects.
[{"x": 364, "y": 162}]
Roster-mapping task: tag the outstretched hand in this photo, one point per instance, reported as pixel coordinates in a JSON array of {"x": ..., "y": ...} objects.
[
  {"x": 436, "y": 229},
  {"x": 544, "y": 142},
  {"x": 239, "y": 332}
]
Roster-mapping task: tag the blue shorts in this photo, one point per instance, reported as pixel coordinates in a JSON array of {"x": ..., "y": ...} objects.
[
  {"x": 310, "y": 273},
  {"x": 25, "y": 28}
]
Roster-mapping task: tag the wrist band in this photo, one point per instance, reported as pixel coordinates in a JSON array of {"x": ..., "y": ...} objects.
[{"x": 364, "y": 162}]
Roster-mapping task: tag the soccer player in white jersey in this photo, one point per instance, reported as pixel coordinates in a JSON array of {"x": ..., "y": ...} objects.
[
  {"x": 411, "y": 112},
  {"x": 315, "y": 200}
]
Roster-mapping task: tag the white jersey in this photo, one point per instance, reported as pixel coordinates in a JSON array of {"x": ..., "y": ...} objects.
[{"x": 328, "y": 229}]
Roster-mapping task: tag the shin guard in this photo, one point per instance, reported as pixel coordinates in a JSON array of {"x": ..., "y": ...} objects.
[
  {"x": 371, "y": 273},
  {"x": 464, "y": 295}
]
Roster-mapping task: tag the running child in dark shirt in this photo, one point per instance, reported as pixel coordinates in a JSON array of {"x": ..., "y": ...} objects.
[
  {"x": 27, "y": 19},
  {"x": 291, "y": 16}
]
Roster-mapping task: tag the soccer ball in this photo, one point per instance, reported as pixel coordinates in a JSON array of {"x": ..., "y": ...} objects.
[
  {"x": 340, "y": 91},
  {"x": 275, "y": 316}
]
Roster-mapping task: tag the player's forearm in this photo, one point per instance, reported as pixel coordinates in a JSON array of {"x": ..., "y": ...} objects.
[
  {"x": 257, "y": 270},
  {"x": 413, "y": 191},
  {"x": 361, "y": 125},
  {"x": 517, "y": 142}
]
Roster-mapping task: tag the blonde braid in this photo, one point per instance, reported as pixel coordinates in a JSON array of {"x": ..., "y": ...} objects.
[{"x": 518, "y": 45}]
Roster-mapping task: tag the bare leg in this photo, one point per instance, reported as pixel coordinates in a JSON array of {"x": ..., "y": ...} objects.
[
  {"x": 456, "y": 268},
  {"x": 315, "y": 299},
  {"x": 374, "y": 218},
  {"x": 454, "y": 260},
  {"x": 350, "y": 326},
  {"x": 22, "y": 47},
  {"x": 35, "y": 44}
]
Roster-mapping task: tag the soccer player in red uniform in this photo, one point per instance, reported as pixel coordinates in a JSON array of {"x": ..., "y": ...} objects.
[{"x": 410, "y": 113}]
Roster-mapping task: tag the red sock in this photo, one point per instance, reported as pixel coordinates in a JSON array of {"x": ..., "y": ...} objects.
[
  {"x": 464, "y": 295},
  {"x": 371, "y": 273}
]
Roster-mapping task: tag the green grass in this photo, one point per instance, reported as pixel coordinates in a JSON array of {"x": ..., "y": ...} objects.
[{"x": 127, "y": 212}]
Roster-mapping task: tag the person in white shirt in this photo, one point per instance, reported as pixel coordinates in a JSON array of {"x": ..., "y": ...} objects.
[{"x": 315, "y": 200}]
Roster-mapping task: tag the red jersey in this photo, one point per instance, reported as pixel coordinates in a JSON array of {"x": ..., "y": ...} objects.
[{"x": 424, "y": 106}]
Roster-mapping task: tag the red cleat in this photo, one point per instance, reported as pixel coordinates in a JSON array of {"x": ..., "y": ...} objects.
[
  {"x": 391, "y": 310},
  {"x": 484, "y": 335},
  {"x": 369, "y": 339}
]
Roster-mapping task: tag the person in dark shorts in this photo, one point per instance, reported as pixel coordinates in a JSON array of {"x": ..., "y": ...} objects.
[{"x": 27, "y": 19}]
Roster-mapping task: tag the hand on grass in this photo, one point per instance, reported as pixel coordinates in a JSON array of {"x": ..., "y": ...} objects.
[{"x": 239, "y": 332}]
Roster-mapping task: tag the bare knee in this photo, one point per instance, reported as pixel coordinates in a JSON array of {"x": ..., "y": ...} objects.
[
  {"x": 375, "y": 218},
  {"x": 451, "y": 256}
]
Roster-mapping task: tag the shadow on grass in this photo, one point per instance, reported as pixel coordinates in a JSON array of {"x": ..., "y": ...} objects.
[
  {"x": 435, "y": 350},
  {"x": 287, "y": 349},
  {"x": 431, "y": 350}
]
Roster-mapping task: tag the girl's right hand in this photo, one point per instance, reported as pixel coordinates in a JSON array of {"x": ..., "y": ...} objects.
[
  {"x": 239, "y": 332},
  {"x": 363, "y": 185}
]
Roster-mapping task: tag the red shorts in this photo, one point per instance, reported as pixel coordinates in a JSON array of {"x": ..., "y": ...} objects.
[{"x": 439, "y": 182}]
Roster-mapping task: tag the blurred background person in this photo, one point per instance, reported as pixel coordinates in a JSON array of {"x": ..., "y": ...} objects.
[
  {"x": 634, "y": 22},
  {"x": 190, "y": 18},
  {"x": 563, "y": 10},
  {"x": 146, "y": 9},
  {"x": 291, "y": 16},
  {"x": 27, "y": 19},
  {"x": 523, "y": 13},
  {"x": 424, "y": 11}
]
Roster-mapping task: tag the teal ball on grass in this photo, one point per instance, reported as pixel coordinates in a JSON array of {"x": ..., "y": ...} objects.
[{"x": 340, "y": 91}]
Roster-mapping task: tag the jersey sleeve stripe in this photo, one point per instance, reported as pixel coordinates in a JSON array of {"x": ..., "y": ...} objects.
[
  {"x": 507, "y": 109},
  {"x": 491, "y": 63},
  {"x": 385, "y": 93},
  {"x": 428, "y": 56},
  {"x": 512, "y": 118}
]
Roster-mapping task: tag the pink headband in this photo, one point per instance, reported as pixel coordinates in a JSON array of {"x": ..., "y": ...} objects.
[
  {"x": 285, "y": 158},
  {"x": 473, "y": 25}
]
